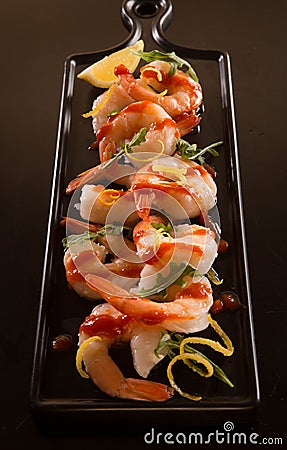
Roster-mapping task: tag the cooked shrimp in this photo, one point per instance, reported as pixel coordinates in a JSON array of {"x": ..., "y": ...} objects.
[
  {"x": 111, "y": 101},
  {"x": 179, "y": 188},
  {"x": 161, "y": 129},
  {"x": 109, "y": 241},
  {"x": 189, "y": 310},
  {"x": 85, "y": 257},
  {"x": 75, "y": 226},
  {"x": 99, "y": 174},
  {"x": 177, "y": 94},
  {"x": 110, "y": 326},
  {"x": 193, "y": 244},
  {"x": 96, "y": 203}
]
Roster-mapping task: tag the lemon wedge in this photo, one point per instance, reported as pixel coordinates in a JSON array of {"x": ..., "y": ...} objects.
[{"x": 101, "y": 74}]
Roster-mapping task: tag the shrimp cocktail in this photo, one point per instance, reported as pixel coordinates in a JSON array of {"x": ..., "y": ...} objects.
[{"x": 147, "y": 230}]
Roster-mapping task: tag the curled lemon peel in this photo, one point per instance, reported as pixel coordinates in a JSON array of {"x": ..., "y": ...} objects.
[
  {"x": 228, "y": 351},
  {"x": 112, "y": 193},
  {"x": 163, "y": 93},
  {"x": 132, "y": 157},
  {"x": 79, "y": 355},
  {"x": 153, "y": 69},
  {"x": 186, "y": 357},
  {"x": 108, "y": 95}
]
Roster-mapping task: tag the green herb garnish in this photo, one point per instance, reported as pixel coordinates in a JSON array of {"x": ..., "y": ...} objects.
[
  {"x": 175, "y": 61},
  {"x": 189, "y": 271},
  {"x": 192, "y": 152},
  {"x": 163, "y": 281},
  {"x": 137, "y": 139},
  {"x": 113, "y": 113},
  {"x": 78, "y": 239},
  {"x": 163, "y": 228}
]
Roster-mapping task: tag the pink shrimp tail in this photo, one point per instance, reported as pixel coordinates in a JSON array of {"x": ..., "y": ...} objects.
[
  {"x": 147, "y": 390},
  {"x": 186, "y": 124},
  {"x": 78, "y": 226},
  {"x": 81, "y": 179}
]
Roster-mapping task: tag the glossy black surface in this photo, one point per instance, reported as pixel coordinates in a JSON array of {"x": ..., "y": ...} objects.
[
  {"x": 37, "y": 37},
  {"x": 62, "y": 311}
]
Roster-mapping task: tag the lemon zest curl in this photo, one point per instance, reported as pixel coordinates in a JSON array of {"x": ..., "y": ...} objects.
[{"x": 79, "y": 355}]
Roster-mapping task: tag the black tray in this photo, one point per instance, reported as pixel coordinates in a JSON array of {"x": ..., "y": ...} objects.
[{"x": 56, "y": 386}]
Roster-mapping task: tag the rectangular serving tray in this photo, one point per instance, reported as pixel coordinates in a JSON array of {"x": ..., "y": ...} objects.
[{"x": 56, "y": 386}]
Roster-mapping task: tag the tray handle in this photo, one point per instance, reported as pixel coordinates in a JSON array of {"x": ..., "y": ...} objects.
[{"x": 146, "y": 19}]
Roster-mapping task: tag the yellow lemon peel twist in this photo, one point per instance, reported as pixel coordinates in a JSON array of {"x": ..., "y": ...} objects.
[
  {"x": 107, "y": 96},
  {"x": 79, "y": 355},
  {"x": 112, "y": 193},
  {"x": 187, "y": 358},
  {"x": 132, "y": 157}
]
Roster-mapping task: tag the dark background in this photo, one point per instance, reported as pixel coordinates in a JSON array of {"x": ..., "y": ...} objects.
[{"x": 36, "y": 37}]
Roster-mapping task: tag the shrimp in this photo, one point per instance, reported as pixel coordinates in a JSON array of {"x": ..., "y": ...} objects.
[
  {"x": 162, "y": 131},
  {"x": 96, "y": 203},
  {"x": 84, "y": 257},
  {"x": 100, "y": 173},
  {"x": 111, "y": 101},
  {"x": 193, "y": 244},
  {"x": 110, "y": 326},
  {"x": 109, "y": 241},
  {"x": 107, "y": 172},
  {"x": 181, "y": 188},
  {"x": 178, "y": 94},
  {"x": 187, "y": 313}
]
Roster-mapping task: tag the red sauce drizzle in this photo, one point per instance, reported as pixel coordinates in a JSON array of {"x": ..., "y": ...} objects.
[
  {"x": 165, "y": 250},
  {"x": 170, "y": 187},
  {"x": 103, "y": 131},
  {"x": 138, "y": 107},
  {"x": 167, "y": 122},
  {"x": 73, "y": 266},
  {"x": 122, "y": 70},
  {"x": 195, "y": 290},
  {"x": 200, "y": 232},
  {"x": 72, "y": 273},
  {"x": 105, "y": 325}
]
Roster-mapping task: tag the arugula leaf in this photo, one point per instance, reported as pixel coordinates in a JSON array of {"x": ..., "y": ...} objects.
[
  {"x": 163, "y": 228},
  {"x": 190, "y": 151},
  {"x": 74, "y": 239},
  {"x": 113, "y": 113},
  {"x": 137, "y": 139},
  {"x": 171, "y": 343},
  {"x": 188, "y": 271},
  {"x": 175, "y": 61},
  {"x": 113, "y": 158},
  {"x": 108, "y": 229}
]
